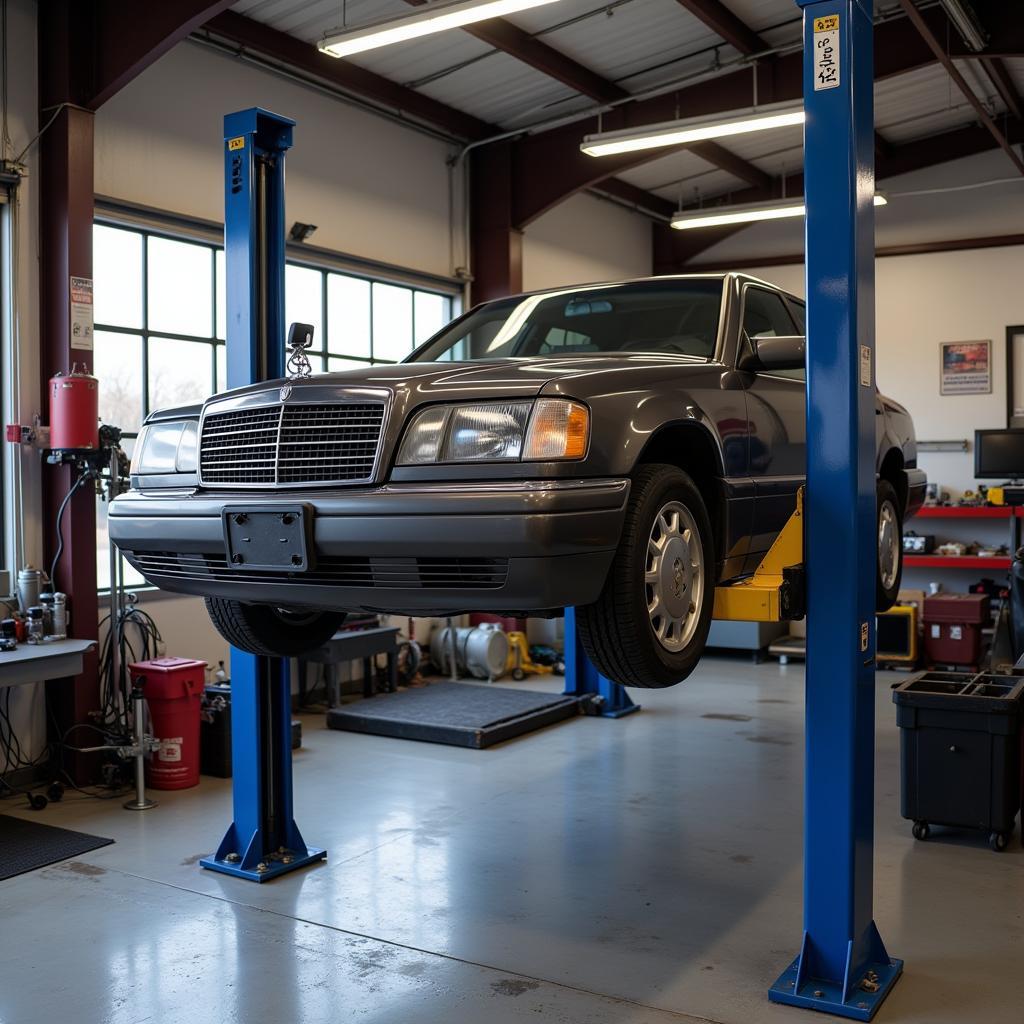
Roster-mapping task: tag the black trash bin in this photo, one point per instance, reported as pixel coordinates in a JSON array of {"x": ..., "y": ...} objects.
[{"x": 960, "y": 746}]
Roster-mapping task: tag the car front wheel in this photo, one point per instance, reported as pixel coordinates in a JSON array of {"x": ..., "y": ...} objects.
[
  {"x": 650, "y": 624},
  {"x": 272, "y": 632}
]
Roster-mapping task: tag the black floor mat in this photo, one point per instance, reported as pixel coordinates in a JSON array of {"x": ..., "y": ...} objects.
[
  {"x": 27, "y": 845},
  {"x": 459, "y": 714}
]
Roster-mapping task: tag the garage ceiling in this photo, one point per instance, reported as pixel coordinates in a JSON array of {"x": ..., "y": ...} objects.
[{"x": 547, "y": 72}]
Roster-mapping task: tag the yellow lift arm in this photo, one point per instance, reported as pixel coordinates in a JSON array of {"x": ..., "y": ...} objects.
[{"x": 775, "y": 593}]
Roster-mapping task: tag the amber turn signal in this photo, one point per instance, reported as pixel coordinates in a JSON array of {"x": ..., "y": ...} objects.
[{"x": 559, "y": 429}]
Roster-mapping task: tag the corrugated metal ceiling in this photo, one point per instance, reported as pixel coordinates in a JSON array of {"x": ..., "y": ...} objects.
[{"x": 639, "y": 44}]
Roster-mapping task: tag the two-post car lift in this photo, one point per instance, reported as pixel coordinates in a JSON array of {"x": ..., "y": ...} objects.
[{"x": 842, "y": 967}]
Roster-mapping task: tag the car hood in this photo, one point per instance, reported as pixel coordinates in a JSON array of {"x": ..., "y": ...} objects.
[{"x": 500, "y": 378}]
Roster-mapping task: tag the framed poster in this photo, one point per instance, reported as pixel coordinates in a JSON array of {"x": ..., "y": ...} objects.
[
  {"x": 966, "y": 368},
  {"x": 1015, "y": 376}
]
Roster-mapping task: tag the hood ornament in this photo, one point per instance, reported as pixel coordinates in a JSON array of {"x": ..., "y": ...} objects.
[{"x": 300, "y": 340}]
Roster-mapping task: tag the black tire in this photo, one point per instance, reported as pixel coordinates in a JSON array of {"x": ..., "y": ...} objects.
[
  {"x": 921, "y": 830},
  {"x": 617, "y": 631},
  {"x": 888, "y": 502},
  {"x": 273, "y": 632}
]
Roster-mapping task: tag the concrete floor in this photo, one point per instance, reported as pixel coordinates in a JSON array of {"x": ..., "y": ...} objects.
[{"x": 645, "y": 870}]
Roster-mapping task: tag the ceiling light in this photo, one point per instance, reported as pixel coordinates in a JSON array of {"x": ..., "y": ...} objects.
[
  {"x": 966, "y": 22},
  {"x": 694, "y": 129},
  {"x": 432, "y": 17},
  {"x": 723, "y": 215}
]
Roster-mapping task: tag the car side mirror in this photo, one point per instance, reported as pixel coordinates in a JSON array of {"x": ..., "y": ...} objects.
[{"x": 775, "y": 352}]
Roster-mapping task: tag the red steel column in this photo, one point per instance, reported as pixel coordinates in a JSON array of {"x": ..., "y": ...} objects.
[{"x": 496, "y": 244}]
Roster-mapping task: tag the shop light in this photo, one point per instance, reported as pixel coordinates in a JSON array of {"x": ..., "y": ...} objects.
[
  {"x": 694, "y": 129},
  {"x": 722, "y": 215},
  {"x": 432, "y": 17}
]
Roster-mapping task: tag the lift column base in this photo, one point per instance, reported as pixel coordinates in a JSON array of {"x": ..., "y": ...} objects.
[
  {"x": 272, "y": 866},
  {"x": 856, "y": 999}
]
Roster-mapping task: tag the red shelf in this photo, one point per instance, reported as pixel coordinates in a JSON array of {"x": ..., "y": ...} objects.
[
  {"x": 956, "y": 562},
  {"x": 967, "y": 512}
]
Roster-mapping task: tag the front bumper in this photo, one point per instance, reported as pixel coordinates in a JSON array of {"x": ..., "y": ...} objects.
[{"x": 401, "y": 548}]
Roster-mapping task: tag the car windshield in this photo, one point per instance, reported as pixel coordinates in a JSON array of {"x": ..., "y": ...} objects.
[{"x": 676, "y": 317}]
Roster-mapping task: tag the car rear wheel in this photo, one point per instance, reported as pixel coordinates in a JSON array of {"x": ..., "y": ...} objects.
[
  {"x": 273, "y": 632},
  {"x": 650, "y": 624},
  {"x": 890, "y": 547}
]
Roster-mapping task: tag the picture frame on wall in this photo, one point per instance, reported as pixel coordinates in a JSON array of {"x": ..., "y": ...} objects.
[
  {"x": 1015, "y": 376},
  {"x": 965, "y": 367}
]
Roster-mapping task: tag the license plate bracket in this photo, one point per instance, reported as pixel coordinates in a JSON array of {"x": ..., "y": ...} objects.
[{"x": 260, "y": 538}]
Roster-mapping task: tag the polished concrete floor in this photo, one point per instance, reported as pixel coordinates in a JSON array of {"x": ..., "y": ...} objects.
[{"x": 645, "y": 870}]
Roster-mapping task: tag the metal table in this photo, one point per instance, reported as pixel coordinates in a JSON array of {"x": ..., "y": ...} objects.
[
  {"x": 34, "y": 663},
  {"x": 352, "y": 645}
]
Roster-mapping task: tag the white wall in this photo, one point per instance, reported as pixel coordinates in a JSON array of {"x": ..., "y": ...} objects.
[
  {"x": 374, "y": 188},
  {"x": 585, "y": 239},
  {"x": 921, "y": 301}
]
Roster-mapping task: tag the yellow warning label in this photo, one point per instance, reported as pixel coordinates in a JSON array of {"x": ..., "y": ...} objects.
[
  {"x": 238, "y": 143},
  {"x": 830, "y": 23}
]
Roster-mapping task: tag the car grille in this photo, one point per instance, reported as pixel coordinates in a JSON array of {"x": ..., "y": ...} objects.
[
  {"x": 291, "y": 445},
  {"x": 340, "y": 571}
]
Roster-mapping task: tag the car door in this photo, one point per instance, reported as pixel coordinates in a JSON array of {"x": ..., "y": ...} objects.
[{"x": 776, "y": 418}]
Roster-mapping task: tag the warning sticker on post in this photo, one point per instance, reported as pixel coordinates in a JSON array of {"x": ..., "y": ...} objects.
[
  {"x": 81, "y": 313},
  {"x": 826, "y": 52}
]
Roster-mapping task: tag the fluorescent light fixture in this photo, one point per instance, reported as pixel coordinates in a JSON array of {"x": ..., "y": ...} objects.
[
  {"x": 779, "y": 210},
  {"x": 965, "y": 19},
  {"x": 432, "y": 17},
  {"x": 694, "y": 129}
]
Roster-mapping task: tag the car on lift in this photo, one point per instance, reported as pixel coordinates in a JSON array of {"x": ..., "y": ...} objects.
[{"x": 621, "y": 448}]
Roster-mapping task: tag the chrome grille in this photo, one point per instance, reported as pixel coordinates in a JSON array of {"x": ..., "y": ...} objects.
[
  {"x": 291, "y": 445},
  {"x": 344, "y": 571}
]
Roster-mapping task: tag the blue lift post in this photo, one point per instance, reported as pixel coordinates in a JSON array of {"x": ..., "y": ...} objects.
[
  {"x": 583, "y": 679},
  {"x": 843, "y": 967},
  {"x": 263, "y": 840}
]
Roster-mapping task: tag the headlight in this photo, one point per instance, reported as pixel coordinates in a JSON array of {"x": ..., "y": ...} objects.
[
  {"x": 551, "y": 428},
  {"x": 169, "y": 447}
]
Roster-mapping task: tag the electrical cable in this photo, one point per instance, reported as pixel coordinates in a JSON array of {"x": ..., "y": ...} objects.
[
  {"x": 60, "y": 533},
  {"x": 941, "y": 190}
]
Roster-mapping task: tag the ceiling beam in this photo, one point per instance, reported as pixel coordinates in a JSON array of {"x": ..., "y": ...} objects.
[
  {"x": 725, "y": 160},
  {"x": 672, "y": 253},
  {"x": 724, "y": 23},
  {"x": 1004, "y": 85},
  {"x": 516, "y": 42},
  {"x": 899, "y": 49},
  {"x": 881, "y": 251},
  {"x": 280, "y": 47},
  {"x": 638, "y": 198},
  {"x": 932, "y": 41}
]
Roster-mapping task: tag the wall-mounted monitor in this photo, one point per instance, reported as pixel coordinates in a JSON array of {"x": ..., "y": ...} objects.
[{"x": 999, "y": 454}]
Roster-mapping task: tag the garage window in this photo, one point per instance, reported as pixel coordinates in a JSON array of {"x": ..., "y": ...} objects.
[{"x": 161, "y": 324}]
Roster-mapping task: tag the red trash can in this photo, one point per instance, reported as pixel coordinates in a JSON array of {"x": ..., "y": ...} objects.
[{"x": 174, "y": 689}]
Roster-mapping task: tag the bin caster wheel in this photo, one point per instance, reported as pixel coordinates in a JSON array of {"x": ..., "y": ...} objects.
[
  {"x": 921, "y": 830},
  {"x": 36, "y": 801},
  {"x": 55, "y": 792},
  {"x": 518, "y": 675},
  {"x": 999, "y": 841}
]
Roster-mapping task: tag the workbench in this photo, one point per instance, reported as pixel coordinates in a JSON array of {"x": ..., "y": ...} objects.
[{"x": 34, "y": 663}]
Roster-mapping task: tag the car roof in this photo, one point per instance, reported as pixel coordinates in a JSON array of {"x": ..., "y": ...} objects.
[{"x": 735, "y": 275}]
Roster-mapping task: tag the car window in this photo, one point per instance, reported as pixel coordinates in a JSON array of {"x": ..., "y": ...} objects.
[
  {"x": 799, "y": 311},
  {"x": 764, "y": 312},
  {"x": 673, "y": 316}
]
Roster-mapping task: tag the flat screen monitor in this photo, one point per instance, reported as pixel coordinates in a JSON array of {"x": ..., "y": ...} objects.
[{"x": 999, "y": 454}]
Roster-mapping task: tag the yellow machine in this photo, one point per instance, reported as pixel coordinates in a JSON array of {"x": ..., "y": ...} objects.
[
  {"x": 896, "y": 635},
  {"x": 775, "y": 593},
  {"x": 520, "y": 664}
]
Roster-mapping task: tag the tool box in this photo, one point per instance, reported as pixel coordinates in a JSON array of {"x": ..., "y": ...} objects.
[
  {"x": 952, "y": 628},
  {"x": 960, "y": 751}
]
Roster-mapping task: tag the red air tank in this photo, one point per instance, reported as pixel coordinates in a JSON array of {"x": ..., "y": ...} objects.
[{"x": 74, "y": 410}]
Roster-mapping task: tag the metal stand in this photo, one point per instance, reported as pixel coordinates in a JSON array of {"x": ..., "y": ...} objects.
[
  {"x": 263, "y": 840},
  {"x": 843, "y": 967},
  {"x": 610, "y": 700},
  {"x": 142, "y": 744}
]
